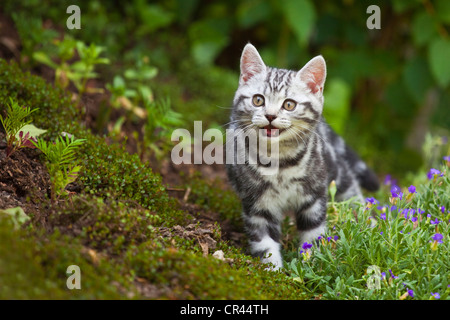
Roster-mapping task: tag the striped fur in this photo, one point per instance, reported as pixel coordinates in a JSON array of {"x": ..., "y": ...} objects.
[{"x": 311, "y": 154}]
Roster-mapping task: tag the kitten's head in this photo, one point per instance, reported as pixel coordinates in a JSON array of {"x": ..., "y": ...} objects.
[{"x": 270, "y": 98}]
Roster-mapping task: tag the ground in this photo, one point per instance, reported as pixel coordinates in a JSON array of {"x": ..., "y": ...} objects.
[{"x": 25, "y": 183}]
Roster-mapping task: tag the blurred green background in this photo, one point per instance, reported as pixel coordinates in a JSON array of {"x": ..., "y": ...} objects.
[{"x": 386, "y": 89}]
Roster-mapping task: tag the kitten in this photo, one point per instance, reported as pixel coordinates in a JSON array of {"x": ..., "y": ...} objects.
[{"x": 286, "y": 107}]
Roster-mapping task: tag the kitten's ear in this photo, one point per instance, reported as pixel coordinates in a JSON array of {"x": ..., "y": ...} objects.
[
  {"x": 251, "y": 63},
  {"x": 314, "y": 74}
]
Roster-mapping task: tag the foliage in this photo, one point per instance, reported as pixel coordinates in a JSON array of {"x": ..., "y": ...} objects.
[
  {"x": 14, "y": 124},
  {"x": 383, "y": 251},
  {"x": 56, "y": 107},
  {"x": 18, "y": 216},
  {"x": 109, "y": 170},
  {"x": 33, "y": 36},
  {"x": 132, "y": 91},
  {"x": 78, "y": 72},
  {"x": 160, "y": 123},
  {"x": 61, "y": 156},
  {"x": 135, "y": 95},
  {"x": 398, "y": 72}
]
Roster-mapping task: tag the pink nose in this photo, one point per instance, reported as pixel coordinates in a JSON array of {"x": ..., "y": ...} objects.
[{"x": 270, "y": 117}]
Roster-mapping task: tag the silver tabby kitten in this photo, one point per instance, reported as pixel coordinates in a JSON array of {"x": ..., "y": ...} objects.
[{"x": 286, "y": 107}]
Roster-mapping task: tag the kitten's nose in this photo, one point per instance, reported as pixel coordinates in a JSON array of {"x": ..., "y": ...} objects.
[{"x": 270, "y": 117}]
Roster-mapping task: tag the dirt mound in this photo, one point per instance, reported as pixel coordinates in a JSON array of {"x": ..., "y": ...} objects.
[{"x": 24, "y": 180}]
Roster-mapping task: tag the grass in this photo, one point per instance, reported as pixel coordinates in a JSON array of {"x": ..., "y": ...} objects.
[{"x": 382, "y": 250}]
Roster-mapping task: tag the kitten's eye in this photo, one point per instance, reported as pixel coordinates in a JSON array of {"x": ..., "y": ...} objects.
[
  {"x": 258, "y": 100},
  {"x": 289, "y": 105}
]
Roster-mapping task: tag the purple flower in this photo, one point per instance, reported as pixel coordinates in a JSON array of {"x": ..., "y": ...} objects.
[
  {"x": 392, "y": 275},
  {"x": 411, "y": 293},
  {"x": 412, "y": 189},
  {"x": 436, "y": 221},
  {"x": 438, "y": 237},
  {"x": 383, "y": 275},
  {"x": 414, "y": 219},
  {"x": 336, "y": 238},
  {"x": 442, "y": 209},
  {"x": 446, "y": 158},
  {"x": 306, "y": 246},
  {"x": 329, "y": 239},
  {"x": 395, "y": 190},
  {"x": 372, "y": 200},
  {"x": 388, "y": 180},
  {"x": 433, "y": 172},
  {"x": 436, "y": 295},
  {"x": 383, "y": 216},
  {"x": 420, "y": 211},
  {"x": 405, "y": 213}
]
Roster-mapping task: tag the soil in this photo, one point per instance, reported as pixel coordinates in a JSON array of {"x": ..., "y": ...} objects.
[{"x": 24, "y": 180}]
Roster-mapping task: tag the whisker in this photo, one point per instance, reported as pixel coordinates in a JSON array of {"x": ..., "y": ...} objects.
[
  {"x": 306, "y": 128},
  {"x": 227, "y": 108},
  {"x": 238, "y": 132},
  {"x": 297, "y": 134},
  {"x": 234, "y": 121}
]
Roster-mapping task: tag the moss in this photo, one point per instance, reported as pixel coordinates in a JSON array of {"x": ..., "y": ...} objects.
[
  {"x": 55, "y": 106},
  {"x": 108, "y": 170},
  {"x": 107, "y": 225},
  {"x": 33, "y": 266},
  {"x": 196, "y": 277},
  {"x": 215, "y": 196}
]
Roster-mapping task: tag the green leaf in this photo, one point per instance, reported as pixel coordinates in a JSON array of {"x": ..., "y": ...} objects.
[
  {"x": 402, "y": 5},
  {"x": 72, "y": 175},
  {"x": 443, "y": 10},
  {"x": 301, "y": 16},
  {"x": 205, "y": 52},
  {"x": 423, "y": 28},
  {"x": 34, "y": 132},
  {"x": 208, "y": 38},
  {"x": 18, "y": 216},
  {"x": 250, "y": 13},
  {"x": 43, "y": 58},
  {"x": 438, "y": 55},
  {"x": 154, "y": 17}
]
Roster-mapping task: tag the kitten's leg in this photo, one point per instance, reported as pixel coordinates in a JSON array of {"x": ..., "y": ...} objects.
[
  {"x": 311, "y": 219},
  {"x": 264, "y": 232}
]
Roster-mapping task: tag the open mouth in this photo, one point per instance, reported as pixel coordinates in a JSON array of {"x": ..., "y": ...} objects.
[{"x": 271, "y": 131}]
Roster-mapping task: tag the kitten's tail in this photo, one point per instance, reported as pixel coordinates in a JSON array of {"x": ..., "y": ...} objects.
[{"x": 366, "y": 177}]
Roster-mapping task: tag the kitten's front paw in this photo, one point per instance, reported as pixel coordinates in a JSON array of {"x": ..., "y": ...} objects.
[
  {"x": 274, "y": 261},
  {"x": 269, "y": 251}
]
